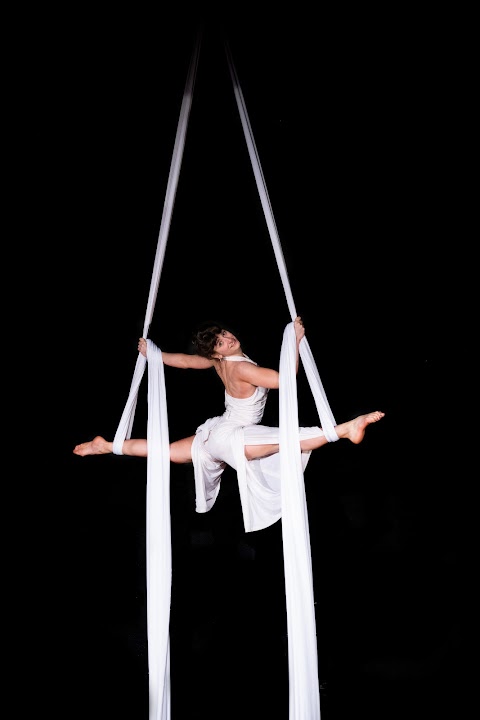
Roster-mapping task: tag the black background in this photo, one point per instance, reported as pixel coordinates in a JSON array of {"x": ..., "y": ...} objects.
[{"x": 352, "y": 118}]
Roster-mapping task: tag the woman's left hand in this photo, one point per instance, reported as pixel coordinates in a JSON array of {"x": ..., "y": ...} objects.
[{"x": 299, "y": 328}]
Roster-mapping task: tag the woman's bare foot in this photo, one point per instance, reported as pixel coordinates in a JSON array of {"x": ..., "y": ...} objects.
[
  {"x": 97, "y": 446},
  {"x": 354, "y": 430}
]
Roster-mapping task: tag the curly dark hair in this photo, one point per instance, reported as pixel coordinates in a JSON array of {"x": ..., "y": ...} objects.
[{"x": 205, "y": 338}]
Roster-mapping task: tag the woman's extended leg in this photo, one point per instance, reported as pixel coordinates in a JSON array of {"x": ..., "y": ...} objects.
[
  {"x": 180, "y": 450},
  {"x": 353, "y": 430}
]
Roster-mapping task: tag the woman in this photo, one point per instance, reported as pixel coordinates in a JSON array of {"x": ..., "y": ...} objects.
[{"x": 235, "y": 438}]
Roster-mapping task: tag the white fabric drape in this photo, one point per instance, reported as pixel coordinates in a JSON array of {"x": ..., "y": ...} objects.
[
  {"x": 304, "y": 696},
  {"x": 159, "y": 542},
  {"x": 304, "y": 690}
]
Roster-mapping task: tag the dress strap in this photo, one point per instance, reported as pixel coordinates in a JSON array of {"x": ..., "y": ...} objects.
[{"x": 238, "y": 358}]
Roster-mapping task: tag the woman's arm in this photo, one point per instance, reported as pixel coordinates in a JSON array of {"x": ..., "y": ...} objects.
[
  {"x": 266, "y": 377},
  {"x": 257, "y": 375},
  {"x": 179, "y": 360}
]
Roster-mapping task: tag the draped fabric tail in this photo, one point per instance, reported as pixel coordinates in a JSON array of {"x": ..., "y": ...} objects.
[
  {"x": 159, "y": 544},
  {"x": 304, "y": 691}
]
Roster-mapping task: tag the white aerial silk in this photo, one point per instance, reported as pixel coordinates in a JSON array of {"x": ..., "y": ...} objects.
[
  {"x": 304, "y": 694},
  {"x": 159, "y": 542}
]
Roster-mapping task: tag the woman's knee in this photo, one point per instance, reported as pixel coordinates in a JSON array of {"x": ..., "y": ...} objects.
[
  {"x": 254, "y": 452},
  {"x": 181, "y": 450}
]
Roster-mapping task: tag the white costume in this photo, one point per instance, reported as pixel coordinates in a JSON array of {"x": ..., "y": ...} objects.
[{"x": 221, "y": 440}]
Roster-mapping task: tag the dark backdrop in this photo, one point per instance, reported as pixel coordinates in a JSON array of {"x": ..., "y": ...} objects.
[{"x": 350, "y": 116}]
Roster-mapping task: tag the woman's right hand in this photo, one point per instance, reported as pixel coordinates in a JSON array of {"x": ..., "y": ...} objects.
[{"x": 142, "y": 347}]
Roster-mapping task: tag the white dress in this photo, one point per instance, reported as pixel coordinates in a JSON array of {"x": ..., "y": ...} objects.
[{"x": 221, "y": 440}]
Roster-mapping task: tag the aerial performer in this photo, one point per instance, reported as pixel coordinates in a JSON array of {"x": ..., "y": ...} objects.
[{"x": 237, "y": 437}]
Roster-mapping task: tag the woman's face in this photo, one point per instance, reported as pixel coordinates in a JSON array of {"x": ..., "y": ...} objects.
[{"x": 226, "y": 343}]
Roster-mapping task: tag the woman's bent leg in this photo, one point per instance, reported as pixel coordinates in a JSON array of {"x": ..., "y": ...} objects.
[{"x": 180, "y": 450}]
